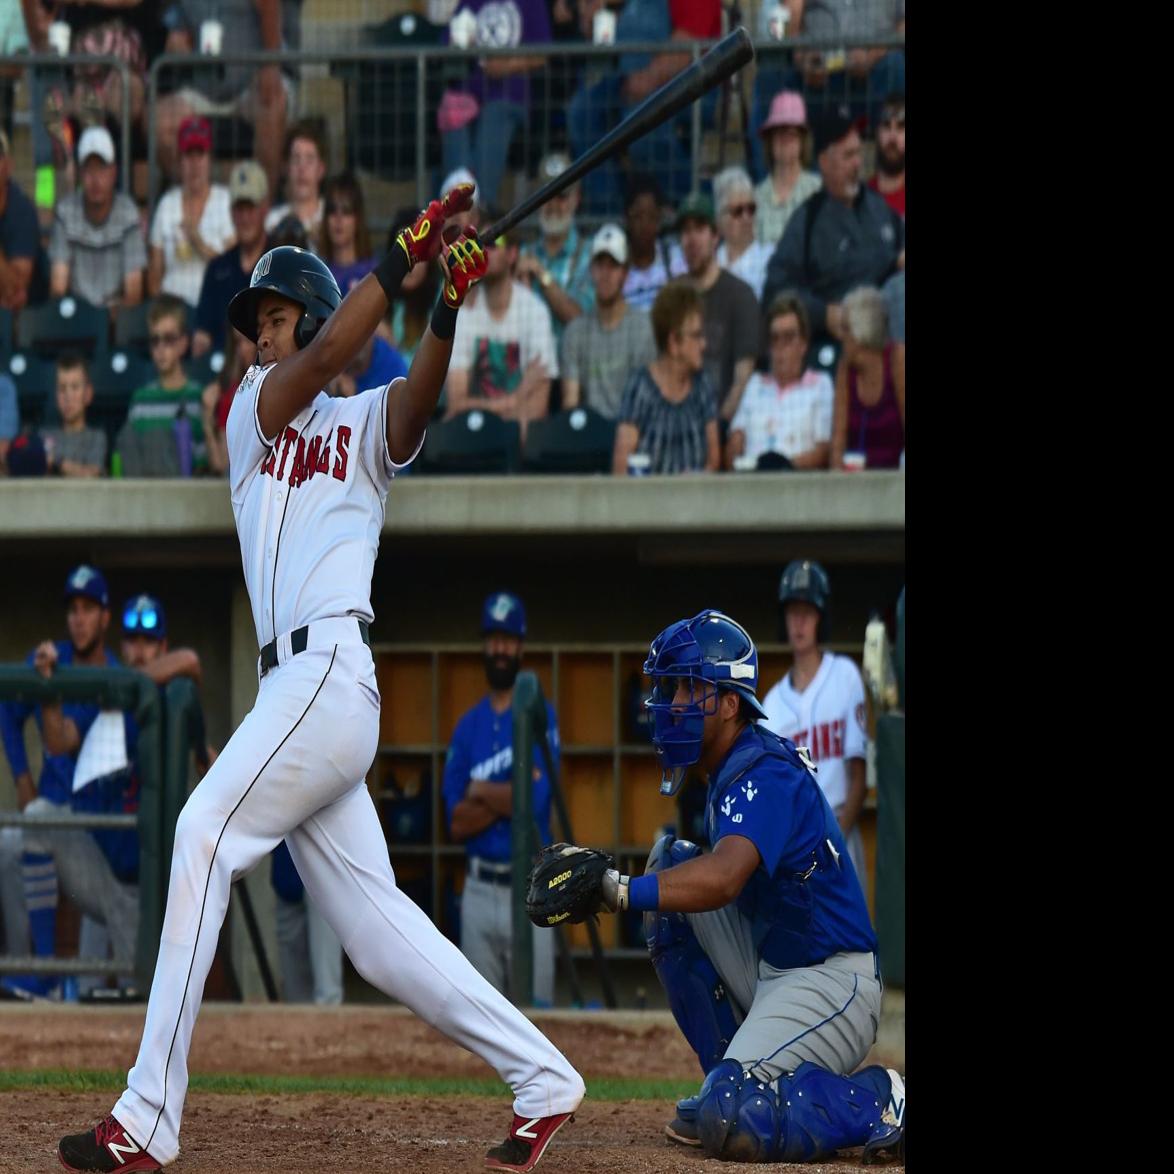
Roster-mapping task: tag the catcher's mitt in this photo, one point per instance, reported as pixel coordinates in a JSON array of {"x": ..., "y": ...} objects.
[{"x": 566, "y": 885}]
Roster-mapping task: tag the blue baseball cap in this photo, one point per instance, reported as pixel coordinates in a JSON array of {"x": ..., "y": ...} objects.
[
  {"x": 503, "y": 612},
  {"x": 89, "y": 583},
  {"x": 144, "y": 616}
]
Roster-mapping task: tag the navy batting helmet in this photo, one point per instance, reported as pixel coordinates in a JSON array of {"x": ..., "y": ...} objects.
[
  {"x": 807, "y": 582},
  {"x": 297, "y": 275}
]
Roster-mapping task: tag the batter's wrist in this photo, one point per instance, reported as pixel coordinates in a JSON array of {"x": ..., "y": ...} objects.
[
  {"x": 444, "y": 320},
  {"x": 391, "y": 271}
]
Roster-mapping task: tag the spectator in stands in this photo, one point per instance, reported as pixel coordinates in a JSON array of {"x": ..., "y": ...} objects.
[
  {"x": 669, "y": 408},
  {"x": 650, "y": 263},
  {"x": 604, "y": 346},
  {"x": 739, "y": 253},
  {"x": 239, "y": 355},
  {"x": 257, "y": 94},
  {"x": 730, "y": 311},
  {"x": 21, "y": 255},
  {"x": 97, "y": 250},
  {"x": 229, "y": 273},
  {"x": 74, "y": 450},
  {"x": 842, "y": 237},
  {"x": 409, "y": 315},
  {"x": 859, "y": 77},
  {"x": 376, "y": 365},
  {"x": 597, "y": 107},
  {"x": 787, "y": 411},
  {"x": 70, "y": 854},
  {"x": 869, "y": 418},
  {"x": 555, "y": 266},
  {"x": 479, "y": 120},
  {"x": 193, "y": 221},
  {"x": 889, "y": 180},
  {"x": 344, "y": 240},
  {"x": 787, "y": 139},
  {"x": 9, "y": 419},
  {"x": 305, "y": 169},
  {"x": 164, "y": 431},
  {"x": 503, "y": 354}
]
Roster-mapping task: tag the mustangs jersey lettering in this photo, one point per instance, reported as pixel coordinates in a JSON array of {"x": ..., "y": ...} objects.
[
  {"x": 828, "y": 718},
  {"x": 331, "y": 459}
]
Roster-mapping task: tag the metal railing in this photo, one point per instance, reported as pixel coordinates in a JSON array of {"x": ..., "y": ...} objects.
[
  {"x": 391, "y": 96},
  {"x": 52, "y": 63}
]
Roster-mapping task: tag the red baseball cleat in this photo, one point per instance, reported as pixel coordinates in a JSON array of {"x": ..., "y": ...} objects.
[
  {"x": 527, "y": 1142},
  {"x": 107, "y": 1147}
]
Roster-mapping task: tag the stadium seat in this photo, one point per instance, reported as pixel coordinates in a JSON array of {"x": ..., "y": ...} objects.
[
  {"x": 473, "y": 442},
  {"x": 206, "y": 368},
  {"x": 67, "y": 323},
  {"x": 116, "y": 378},
  {"x": 131, "y": 332},
  {"x": 5, "y": 336},
  {"x": 576, "y": 441},
  {"x": 36, "y": 383}
]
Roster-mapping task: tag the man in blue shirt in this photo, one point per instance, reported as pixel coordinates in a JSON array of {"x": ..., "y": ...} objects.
[
  {"x": 376, "y": 364},
  {"x": 72, "y": 854},
  {"x": 764, "y": 944},
  {"x": 478, "y": 801}
]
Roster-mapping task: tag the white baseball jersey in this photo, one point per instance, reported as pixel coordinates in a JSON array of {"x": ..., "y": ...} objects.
[
  {"x": 330, "y": 459},
  {"x": 309, "y": 509},
  {"x": 828, "y": 717}
]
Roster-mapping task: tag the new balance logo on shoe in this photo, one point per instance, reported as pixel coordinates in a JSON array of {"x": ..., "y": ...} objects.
[
  {"x": 107, "y": 1148},
  {"x": 527, "y": 1142}
]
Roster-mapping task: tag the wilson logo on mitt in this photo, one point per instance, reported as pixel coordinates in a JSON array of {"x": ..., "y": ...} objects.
[{"x": 566, "y": 884}]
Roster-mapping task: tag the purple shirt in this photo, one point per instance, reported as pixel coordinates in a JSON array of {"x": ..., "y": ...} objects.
[
  {"x": 348, "y": 276},
  {"x": 877, "y": 431},
  {"x": 503, "y": 24}
]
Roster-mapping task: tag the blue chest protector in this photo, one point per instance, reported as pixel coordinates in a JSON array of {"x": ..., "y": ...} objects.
[{"x": 804, "y": 901}]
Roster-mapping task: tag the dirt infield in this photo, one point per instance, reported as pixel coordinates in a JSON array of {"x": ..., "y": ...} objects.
[{"x": 315, "y": 1132}]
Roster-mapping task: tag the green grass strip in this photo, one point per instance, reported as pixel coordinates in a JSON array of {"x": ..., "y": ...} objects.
[{"x": 599, "y": 1089}]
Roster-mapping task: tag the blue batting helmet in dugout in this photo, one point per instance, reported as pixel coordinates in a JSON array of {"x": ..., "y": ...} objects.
[
  {"x": 144, "y": 616},
  {"x": 713, "y": 653},
  {"x": 89, "y": 583},
  {"x": 503, "y": 612}
]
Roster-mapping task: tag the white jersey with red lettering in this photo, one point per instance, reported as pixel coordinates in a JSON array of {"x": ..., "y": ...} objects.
[
  {"x": 830, "y": 719},
  {"x": 309, "y": 510}
]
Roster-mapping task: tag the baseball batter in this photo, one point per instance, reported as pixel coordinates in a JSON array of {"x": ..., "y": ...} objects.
[
  {"x": 819, "y": 704},
  {"x": 309, "y": 476}
]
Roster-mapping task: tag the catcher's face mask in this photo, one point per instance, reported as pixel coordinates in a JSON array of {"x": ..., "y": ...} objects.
[{"x": 679, "y": 706}]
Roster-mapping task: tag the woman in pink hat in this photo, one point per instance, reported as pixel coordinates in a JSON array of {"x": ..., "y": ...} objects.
[{"x": 788, "y": 183}]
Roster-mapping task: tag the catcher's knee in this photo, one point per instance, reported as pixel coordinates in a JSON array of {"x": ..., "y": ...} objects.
[
  {"x": 697, "y": 996},
  {"x": 804, "y": 1116}
]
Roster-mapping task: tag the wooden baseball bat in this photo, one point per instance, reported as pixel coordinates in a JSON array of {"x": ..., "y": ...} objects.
[{"x": 723, "y": 60}]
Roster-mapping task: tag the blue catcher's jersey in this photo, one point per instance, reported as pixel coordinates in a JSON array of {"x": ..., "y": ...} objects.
[
  {"x": 56, "y": 781},
  {"x": 804, "y": 900},
  {"x": 483, "y": 748}
]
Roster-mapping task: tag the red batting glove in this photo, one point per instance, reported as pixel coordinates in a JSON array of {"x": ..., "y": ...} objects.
[
  {"x": 424, "y": 239},
  {"x": 466, "y": 263}
]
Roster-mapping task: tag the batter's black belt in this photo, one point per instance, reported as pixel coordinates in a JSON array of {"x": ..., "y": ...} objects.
[
  {"x": 491, "y": 871},
  {"x": 297, "y": 643}
]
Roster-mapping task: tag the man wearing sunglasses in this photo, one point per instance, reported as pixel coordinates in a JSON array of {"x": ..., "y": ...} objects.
[
  {"x": 70, "y": 856},
  {"x": 730, "y": 314}
]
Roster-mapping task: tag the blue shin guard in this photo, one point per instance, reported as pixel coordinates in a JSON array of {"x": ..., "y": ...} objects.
[
  {"x": 696, "y": 993},
  {"x": 804, "y": 1116}
]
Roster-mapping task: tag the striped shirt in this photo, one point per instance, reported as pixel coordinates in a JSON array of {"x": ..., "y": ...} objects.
[
  {"x": 153, "y": 408},
  {"x": 673, "y": 435}
]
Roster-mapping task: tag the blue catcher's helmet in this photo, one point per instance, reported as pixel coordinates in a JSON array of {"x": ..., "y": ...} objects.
[{"x": 713, "y": 653}]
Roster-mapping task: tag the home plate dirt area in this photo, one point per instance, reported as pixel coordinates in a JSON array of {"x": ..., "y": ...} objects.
[{"x": 258, "y": 1133}]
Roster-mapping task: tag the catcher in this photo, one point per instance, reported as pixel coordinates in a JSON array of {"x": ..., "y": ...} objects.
[{"x": 764, "y": 945}]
